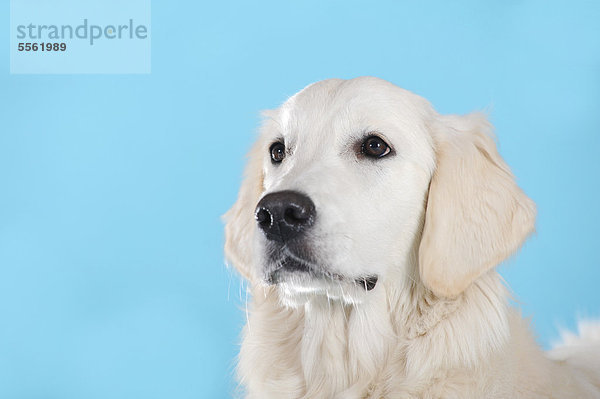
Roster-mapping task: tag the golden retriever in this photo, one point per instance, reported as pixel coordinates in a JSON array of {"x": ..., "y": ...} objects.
[{"x": 369, "y": 228}]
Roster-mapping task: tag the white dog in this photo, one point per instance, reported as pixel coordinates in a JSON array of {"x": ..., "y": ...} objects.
[{"x": 368, "y": 227}]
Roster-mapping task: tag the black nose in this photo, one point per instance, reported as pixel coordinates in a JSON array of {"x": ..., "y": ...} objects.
[{"x": 285, "y": 215}]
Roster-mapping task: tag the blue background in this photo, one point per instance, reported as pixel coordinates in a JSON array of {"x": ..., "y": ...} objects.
[{"x": 112, "y": 280}]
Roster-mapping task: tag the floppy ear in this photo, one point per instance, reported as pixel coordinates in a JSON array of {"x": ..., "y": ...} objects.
[
  {"x": 476, "y": 214},
  {"x": 240, "y": 223}
]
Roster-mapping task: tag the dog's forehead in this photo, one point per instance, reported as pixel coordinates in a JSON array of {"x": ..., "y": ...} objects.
[{"x": 340, "y": 107}]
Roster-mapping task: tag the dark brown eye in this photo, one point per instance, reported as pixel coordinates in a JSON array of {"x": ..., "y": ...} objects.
[
  {"x": 375, "y": 147},
  {"x": 277, "y": 152}
]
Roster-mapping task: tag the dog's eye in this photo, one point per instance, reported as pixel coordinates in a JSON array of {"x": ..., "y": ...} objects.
[
  {"x": 375, "y": 147},
  {"x": 277, "y": 152}
]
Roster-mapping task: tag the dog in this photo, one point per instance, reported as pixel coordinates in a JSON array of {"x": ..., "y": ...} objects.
[{"x": 368, "y": 227}]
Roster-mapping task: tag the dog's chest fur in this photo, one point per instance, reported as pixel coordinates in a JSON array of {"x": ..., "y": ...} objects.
[
  {"x": 328, "y": 350},
  {"x": 404, "y": 344}
]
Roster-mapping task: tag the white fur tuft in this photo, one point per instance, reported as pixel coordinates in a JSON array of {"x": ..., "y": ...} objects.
[{"x": 588, "y": 334}]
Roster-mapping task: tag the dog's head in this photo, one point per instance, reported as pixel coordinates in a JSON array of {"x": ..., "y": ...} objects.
[{"x": 350, "y": 177}]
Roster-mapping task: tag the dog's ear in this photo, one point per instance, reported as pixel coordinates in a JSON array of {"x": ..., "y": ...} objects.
[
  {"x": 240, "y": 223},
  {"x": 476, "y": 214}
]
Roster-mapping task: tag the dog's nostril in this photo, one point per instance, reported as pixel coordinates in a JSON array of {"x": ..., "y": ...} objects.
[
  {"x": 263, "y": 217},
  {"x": 296, "y": 215}
]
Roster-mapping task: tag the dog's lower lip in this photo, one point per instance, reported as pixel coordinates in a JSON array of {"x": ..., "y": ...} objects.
[
  {"x": 368, "y": 282},
  {"x": 289, "y": 265}
]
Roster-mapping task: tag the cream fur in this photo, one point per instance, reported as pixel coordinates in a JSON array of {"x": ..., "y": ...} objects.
[{"x": 440, "y": 215}]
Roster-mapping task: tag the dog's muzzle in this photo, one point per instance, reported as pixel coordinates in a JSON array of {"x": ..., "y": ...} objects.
[{"x": 284, "y": 217}]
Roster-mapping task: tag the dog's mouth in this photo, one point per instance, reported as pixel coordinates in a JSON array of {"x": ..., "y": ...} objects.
[
  {"x": 295, "y": 270},
  {"x": 369, "y": 282}
]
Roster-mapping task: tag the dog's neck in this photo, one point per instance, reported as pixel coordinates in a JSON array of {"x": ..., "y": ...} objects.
[{"x": 327, "y": 348}]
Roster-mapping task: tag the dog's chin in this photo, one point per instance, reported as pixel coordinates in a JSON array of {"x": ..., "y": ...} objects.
[
  {"x": 295, "y": 294},
  {"x": 299, "y": 283}
]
